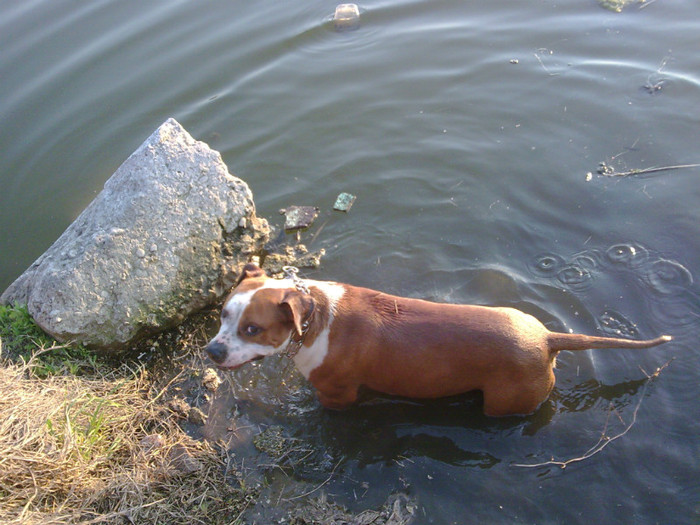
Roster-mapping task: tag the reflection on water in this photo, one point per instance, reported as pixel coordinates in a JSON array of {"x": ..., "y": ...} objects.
[{"x": 307, "y": 441}]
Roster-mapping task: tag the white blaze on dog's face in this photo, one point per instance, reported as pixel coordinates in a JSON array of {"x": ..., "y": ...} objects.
[{"x": 256, "y": 321}]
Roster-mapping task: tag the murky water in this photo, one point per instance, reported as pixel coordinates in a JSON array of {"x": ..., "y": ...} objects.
[{"x": 467, "y": 131}]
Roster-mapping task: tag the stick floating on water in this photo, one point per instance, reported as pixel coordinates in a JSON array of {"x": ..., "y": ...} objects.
[{"x": 609, "y": 171}]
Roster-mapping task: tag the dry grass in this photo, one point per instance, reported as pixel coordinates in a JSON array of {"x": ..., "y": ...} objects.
[{"x": 100, "y": 448}]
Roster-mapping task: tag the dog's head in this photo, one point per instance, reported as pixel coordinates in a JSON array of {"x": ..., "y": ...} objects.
[{"x": 258, "y": 318}]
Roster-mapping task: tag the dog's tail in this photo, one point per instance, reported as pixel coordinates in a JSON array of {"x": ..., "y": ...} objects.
[{"x": 559, "y": 341}]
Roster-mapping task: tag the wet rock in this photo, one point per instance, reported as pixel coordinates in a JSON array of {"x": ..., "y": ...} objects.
[
  {"x": 346, "y": 17},
  {"x": 196, "y": 416},
  {"x": 211, "y": 380},
  {"x": 299, "y": 217},
  {"x": 180, "y": 407},
  {"x": 344, "y": 202},
  {"x": 292, "y": 255},
  {"x": 165, "y": 237}
]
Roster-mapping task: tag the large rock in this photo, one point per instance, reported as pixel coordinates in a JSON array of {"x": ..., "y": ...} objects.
[{"x": 166, "y": 236}]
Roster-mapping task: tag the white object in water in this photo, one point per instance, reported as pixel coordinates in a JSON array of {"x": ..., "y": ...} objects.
[{"x": 347, "y": 16}]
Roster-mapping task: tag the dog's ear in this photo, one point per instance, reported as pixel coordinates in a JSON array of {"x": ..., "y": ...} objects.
[
  {"x": 250, "y": 270},
  {"x": 296, "y": 307}
]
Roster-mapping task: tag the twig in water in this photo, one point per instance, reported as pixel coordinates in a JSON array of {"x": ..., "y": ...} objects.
[
  {"x": 604, "y": 440},
  {"x": 542, "y": 63},
  {"x": 609, "y": 171}
]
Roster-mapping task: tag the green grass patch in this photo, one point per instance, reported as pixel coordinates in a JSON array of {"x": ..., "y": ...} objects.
[{"x": 21, "y": 340}]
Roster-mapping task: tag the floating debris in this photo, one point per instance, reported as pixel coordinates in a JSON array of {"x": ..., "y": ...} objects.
[
  {"x": 344, "y": 202},
  {"x": 653, "y": 88},
  {"x": 605, "y": 169},
  {"x": 347, "y": 17},
  {"x": 609, "y": 171},
  {"x": 299, "y": 217}
]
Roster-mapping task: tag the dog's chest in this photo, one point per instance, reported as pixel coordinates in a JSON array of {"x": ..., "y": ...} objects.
[{"x": 311, "y": 357}]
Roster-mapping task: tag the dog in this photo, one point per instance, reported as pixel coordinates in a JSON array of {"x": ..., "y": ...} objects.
[{"x": 343, "y": 337}]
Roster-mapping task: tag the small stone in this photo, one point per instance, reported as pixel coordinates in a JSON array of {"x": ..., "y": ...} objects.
[
  {"x": 180, "y": 408},
  {"x": 299, "y": 217},
  {"x": 211, "y": 380},
  {"x": 347, "y": 17},
  {"x": 183, "y": 462},
  {"x": 151, "y": 443},
  {"x": 344, "y": 202},
  {"x": 140, "y": 253},
  {"x": 197, "y": 417}
]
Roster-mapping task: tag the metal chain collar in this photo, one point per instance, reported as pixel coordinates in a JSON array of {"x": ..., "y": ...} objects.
[
  {"x": 295, "y": 345},
  {"x": 290, "y": 272}
]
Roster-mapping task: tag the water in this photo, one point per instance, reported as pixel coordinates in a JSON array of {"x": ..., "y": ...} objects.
[{"x": 467, "y": 132}]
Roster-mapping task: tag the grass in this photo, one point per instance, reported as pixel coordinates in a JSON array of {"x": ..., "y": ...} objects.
[
  {"x": 21, "y": 339},
  {"x": 84, "y": 442}
]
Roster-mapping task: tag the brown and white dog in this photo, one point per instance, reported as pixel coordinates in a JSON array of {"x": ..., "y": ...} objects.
[{"x": 342, "y": 337}]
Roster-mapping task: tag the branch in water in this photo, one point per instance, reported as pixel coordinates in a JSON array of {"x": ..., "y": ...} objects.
[{"x": 604, "y": 440}]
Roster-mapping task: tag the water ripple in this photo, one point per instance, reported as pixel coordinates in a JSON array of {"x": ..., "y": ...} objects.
[
  {"x": 575, "y": 277},
  {"x": 668, "y": 277},
  {"x": 630, "y": 255},
  {"x": 589, "y": 260},
  {"x": 666, "y": 284},
  {"x": 547, "y": 264}
]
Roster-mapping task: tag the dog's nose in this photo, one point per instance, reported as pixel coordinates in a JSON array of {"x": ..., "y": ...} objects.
[{"x": 216, "y": 351}]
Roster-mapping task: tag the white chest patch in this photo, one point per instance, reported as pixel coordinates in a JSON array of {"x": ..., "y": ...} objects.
[{"x": 310, "y": 358}]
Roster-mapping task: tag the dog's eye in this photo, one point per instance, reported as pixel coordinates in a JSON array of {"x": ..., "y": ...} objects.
[{"x": 251, "y": 330}]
